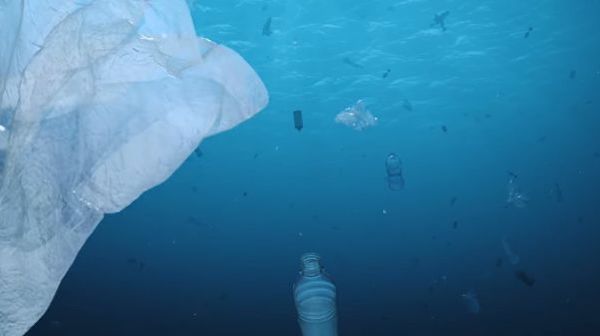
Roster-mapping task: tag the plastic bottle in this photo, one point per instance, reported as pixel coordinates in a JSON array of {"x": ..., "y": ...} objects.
[{"x": 315, "y": 298}]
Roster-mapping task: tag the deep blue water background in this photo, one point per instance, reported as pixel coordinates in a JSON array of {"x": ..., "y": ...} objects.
[{"x": 214, "y": 250}]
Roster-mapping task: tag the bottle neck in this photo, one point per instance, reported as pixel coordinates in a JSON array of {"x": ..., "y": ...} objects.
[{"x": 311, "y": 264}]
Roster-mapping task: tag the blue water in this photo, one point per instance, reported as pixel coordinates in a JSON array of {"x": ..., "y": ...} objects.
[{"x": 214, "y": 250}]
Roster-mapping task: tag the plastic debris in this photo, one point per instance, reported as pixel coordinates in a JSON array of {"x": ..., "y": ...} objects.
[
  {"x": 356, "y": 117},
  {"x": 393, "y": 167},
  {"x": 525, "y": 278},
  {"x": 471, "y": 302},
  {"x": 407, "y": 105},
  {"x": 266, "y": 31},
  {"x": 515, "y": 196},
  {"x": 513, "y": 258},
  {"x": 103, "y": 99},
  {"x": 298, "y": 121}
]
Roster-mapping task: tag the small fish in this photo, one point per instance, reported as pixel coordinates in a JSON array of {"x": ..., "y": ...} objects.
[
  {"x": 572, "y": 74},
  {"x": 266, "y": 31},
  {"x": 444, "y": 129},
  {"x": 528, "y": 32},
  {"x": 525, "y": 278},
  {"x": 352, "y": 63},
  {"x": 386, "y": 73}
]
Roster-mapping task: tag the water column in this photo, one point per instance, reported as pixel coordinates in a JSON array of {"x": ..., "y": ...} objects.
[{"x": 315, "y": 298}]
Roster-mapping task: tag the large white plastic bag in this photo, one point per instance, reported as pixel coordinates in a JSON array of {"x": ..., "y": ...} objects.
[{"x": 101, "y": 100}]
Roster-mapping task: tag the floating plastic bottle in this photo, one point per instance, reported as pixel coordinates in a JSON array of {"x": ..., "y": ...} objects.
[
  {"x": 393, "y": 166},
  {"x": 315, "y": 298}
]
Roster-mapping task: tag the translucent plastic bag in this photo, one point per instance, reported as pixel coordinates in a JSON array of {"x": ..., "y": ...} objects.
[{"x": 99, "y": 102}]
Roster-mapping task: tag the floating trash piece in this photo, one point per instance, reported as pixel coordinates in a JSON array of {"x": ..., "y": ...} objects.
[
  {"x": 528, "y": 32},
  {"x": 440, "y": 20},
  {"x": 351, "y": 63},
  {"x": 406, "y": 104},
  {"x": 298, "y": 121},
  {"x": 471, "y": 302},
  {"x": 444, "y": 129},
  {"x": 515, "y": 196},
  {"x": 198, "y": 152},
  {"x": 356, "y": 117},
  {"x": 525, "y": 278},
  {"x": 558, "y": 193},
  {"x": 2, "y": 128},
  {"x": 393, "y": 167},
  {"x": 386, "y": 73},
  {"x": 573, "y": 74},
  {"x": 266, "y": 31},
  {"x": 513, "y": 258}
]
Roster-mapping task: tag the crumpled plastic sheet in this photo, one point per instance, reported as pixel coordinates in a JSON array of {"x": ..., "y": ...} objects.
[
  {"x": 357, "y": 117},
  {"x": 100, "y": 100}
]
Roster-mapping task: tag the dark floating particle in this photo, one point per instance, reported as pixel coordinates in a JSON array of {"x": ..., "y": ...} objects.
[
  {"x": 444, "y": 129},
  {"x": 407, "y": 105},
  {"x": 440, "y": 20},
  {"x": 223, "y": 296},
  {"x": 386, "y": 73},
  {"x": 245, "y": 194},
  {"x": 455, "y": 225},
  {"x": 140, "y": 265},
  {"x": 528, "y": 32},
  {"x": 573, "y": 74},
  {"x": 351, "y": 63},
  {"x": 266, "y": 31},
  {"x": 558, "y": 193},
  {"x": 198, "y": 152},
  {"x": 298, "y": 122},
  {"x": 525, "y": 278},
  {"x": 453, "y": 200}
]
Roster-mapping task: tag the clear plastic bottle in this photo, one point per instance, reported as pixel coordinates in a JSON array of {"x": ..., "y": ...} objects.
[
  {"x": 315, "y": 298},
  {"x": 393, "y": 167}
]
